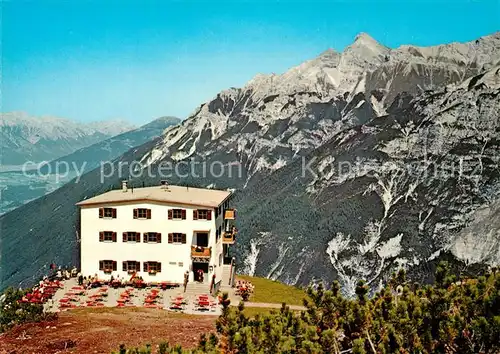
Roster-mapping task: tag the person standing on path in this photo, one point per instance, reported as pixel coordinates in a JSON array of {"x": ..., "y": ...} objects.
[{"x": 186, "y": 279}]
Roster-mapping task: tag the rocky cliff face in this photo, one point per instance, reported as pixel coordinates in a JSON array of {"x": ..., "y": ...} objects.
[
  {"x": 303, "y": 215},
  {"x": 399, "y": 190}
]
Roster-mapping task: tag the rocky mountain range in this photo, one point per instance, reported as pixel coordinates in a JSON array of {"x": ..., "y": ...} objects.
[
  {"x": 331, "y": 162},
  {"x": 27, "y": 138},
  {"x": 19, "y": 187}
]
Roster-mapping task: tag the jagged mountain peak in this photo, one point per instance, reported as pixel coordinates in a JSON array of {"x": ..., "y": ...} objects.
[
  {"x": 365, "y": 52},
  {"x": 330, "y": 53},
  {"x": 364, "y": 38}
]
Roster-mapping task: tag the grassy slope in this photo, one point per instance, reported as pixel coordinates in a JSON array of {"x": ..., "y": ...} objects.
[{"x": 270, "y": 291}]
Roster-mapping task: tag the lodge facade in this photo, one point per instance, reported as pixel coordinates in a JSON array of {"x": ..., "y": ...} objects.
[{"x": 157, "y": 233}]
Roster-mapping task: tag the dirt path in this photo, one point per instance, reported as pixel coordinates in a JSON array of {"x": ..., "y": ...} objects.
[{"x": 273, "y": 306}]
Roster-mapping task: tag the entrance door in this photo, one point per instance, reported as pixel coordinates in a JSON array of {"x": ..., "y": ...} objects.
[
  {"x": 196, "y": 272},
  {"x": 227, "y": 255}
]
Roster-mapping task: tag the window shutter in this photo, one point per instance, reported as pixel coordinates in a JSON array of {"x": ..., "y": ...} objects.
[
  {"x": 146, "y": 266},
  {"x": 101, "y": 236},
  {"x": 101, "y": 213},
  {"x": 101, "y": 265},
  {"x": 170, "y": 214},
  {"x": 137, "y": 266},
  {"x": 158, "y": 266},
  {"x": 195, "y": 214},
  {"x": 158, "y": 237},
  {"x": 125, "y": 236},
  {"x": 114, "y": 265},
  {"x": 124, "y": 266},
  {"x": 148, "y": 213},
  {"x": 183, "y": 238},
  {"x": 145, "y": 237},
  {"x": 114, "y": 213},
  {"x": 183, "y": 213},
  {"x": 209, "y": 214},
  {"x": 170, "y": 238},
  {"x": 136, "y": 213},
  {"x": 114, "y": 236}
]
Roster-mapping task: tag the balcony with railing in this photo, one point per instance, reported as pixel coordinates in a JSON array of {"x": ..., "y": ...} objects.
[
  {"x": 201, "y": 252},
  {"x": 230, "y": 214},
  {"x": 229, "y": 237}
]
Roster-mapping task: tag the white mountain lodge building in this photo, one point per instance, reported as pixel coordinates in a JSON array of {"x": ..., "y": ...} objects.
[{"x": 159, "y": 232}]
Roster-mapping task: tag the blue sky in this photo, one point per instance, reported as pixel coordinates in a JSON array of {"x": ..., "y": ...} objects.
[{"x": 138, "y": 60}]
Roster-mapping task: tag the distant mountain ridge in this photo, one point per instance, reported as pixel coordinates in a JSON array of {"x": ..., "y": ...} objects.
[
  {"x": 370, "y": 105},
  {"x": 17, "y": 188},
  {"x": 91, "y": 157},
  {"x": 26, "y": 138}
]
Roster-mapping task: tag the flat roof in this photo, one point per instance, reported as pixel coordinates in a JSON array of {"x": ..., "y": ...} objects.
[{"x": 173, "y": 194}]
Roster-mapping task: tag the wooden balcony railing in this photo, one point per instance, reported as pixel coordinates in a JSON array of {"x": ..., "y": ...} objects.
[
  {"x": 230, "y": 214},
  {"x": 204, "y": 252}
]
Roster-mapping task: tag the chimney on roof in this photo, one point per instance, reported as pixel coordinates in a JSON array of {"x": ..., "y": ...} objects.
[{"x": 124, "y": 185}]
